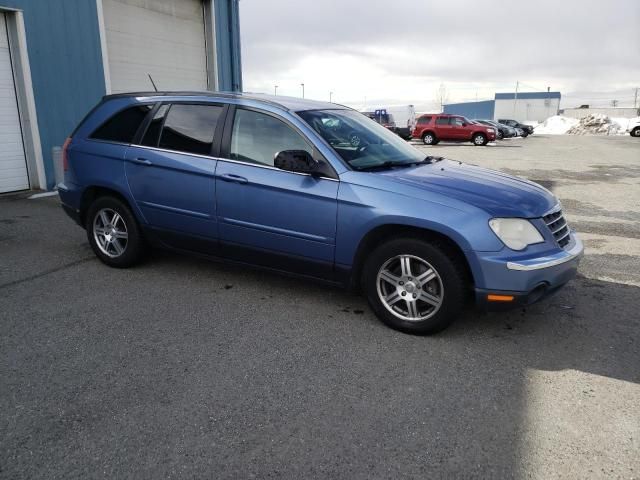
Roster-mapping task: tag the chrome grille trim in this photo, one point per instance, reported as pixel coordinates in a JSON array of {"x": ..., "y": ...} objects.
[{"x": 558, "y": 226}]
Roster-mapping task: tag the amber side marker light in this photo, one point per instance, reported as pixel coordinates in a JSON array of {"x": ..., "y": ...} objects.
[{"x": 500, "y": 298}]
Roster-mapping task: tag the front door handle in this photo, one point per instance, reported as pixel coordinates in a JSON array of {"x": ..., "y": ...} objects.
[
  {"x": 230, "y": 177},
  {"x": 141, "y": 161}
]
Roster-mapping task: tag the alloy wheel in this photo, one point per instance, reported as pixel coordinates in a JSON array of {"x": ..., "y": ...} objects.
[
  {"x": 410, "y": 288},
  {"x": 110, "y": 232}
]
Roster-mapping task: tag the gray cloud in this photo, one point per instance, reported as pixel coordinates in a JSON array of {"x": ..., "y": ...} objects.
[{"x": 574, "y": 45}]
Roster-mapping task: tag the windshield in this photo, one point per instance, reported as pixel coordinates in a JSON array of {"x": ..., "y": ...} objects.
[{"x": 360, "y": 141}]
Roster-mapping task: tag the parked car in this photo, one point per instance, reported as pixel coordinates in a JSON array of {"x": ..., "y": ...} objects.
[
  {"x": 431, "y": 129},
  {"x": 503, "y": 131},
  {"x": 401, "y": 120},
  {"x": 634, "y": 127},
  {"x": 277, "y": 182},
  {"x": 527, "y": 129}
]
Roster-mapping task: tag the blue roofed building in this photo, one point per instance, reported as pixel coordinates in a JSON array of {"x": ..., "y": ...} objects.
[{"x": 59, "y": 57}]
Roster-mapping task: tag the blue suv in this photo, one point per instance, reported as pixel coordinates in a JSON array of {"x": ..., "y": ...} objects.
[{"x": 314, "y": 189}]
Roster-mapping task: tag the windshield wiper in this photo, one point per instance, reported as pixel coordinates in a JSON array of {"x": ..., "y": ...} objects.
[{"x": 389, "y": 164}]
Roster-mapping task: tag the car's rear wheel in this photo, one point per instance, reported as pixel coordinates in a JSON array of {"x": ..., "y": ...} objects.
[
  {"x": 113, "y": 233},
  {"x": 414, "y": 286},
  {"x": 635, "y": 132},
  {"x": 429, "y": 138},
  {"x": 479, "y": 139}
]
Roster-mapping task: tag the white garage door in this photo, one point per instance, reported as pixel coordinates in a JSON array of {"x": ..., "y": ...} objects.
[
  {"x": 164, "y": 38},
  {"x": 13, "y": 165}
]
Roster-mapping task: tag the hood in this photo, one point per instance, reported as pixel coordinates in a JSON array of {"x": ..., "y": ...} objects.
[{"x": 497, "y": 193}]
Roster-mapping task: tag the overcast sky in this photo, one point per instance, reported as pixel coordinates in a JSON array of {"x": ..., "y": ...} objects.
[{"x": 398, "y": 51}]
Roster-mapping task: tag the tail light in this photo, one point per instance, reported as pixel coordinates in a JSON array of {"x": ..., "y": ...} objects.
[{"x": 65, "y": 156}]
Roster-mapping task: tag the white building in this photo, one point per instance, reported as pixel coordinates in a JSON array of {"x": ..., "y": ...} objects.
[{"x": 526, "y": 106}]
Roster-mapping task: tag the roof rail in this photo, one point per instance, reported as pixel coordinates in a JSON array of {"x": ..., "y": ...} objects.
[{"x": 194, "y": 93}]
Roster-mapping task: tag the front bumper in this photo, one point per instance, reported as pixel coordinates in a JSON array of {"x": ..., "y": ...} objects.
[{"x": 508, "y": 283}]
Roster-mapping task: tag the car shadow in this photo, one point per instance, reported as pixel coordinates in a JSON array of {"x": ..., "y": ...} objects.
[{"x": 213, "y": 369}]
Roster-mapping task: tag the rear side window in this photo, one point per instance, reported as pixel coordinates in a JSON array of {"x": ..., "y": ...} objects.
[
  {"x": 424, "y": 120},
  {"x": 190, "y": 128},
  {"x": 152, "y": 134},
  {"x": 442, "y": 121},
  {"x": 122, "y": 127}
]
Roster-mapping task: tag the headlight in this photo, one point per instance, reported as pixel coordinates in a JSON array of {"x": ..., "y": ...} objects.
[{"x": 515, "y": 233}]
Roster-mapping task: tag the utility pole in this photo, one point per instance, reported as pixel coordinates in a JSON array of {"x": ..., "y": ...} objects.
[
  {"x": 275, "y": 89},
  {"x": 330, "y": 95},
  {"x": 515, "y": 99},
  {"x": 302, "y": 85},
  {"x": 635, "y": 99}
]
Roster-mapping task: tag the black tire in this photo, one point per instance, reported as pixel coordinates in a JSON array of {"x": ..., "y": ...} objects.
[
  {"x": 479, "y": 139},
  {"x": 451, "y": 275},
  {"x": 500, "y": 135},
  {"x": 635, "y": 132},
  {"x": 132, "y": 249},
  {"x": 525, "y": 134},
  {"x": 429, "y": 138}
]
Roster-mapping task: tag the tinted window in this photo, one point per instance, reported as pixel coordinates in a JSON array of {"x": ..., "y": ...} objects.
[
  {"x": 190, "y": 128},
  {"x": 424, "y": 120},
  {"x": 442, "y": 121},
  {"x": 122, "y": 127},
  {"x": 257, "y": 137},
  {"x": 457, "y": 121},
  {"x": 152, "y": 134}
]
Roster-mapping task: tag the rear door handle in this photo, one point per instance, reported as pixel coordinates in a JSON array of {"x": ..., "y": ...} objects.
[
  {"x": 141, "y": 161},
  {"x": 230, "y": 177}
]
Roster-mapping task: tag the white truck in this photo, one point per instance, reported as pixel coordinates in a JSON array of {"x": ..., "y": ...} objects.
[{"x": 399, "y": 119}]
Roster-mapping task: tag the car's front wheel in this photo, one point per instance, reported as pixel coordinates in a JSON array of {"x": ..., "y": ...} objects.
[
  {"x": 414, "y": 286},
  {"x": 479, "y": 139},
  {"x": 499, "y": 135},
  {"x": 113, "y": 233},
  {"x": 635, "y": 132}
]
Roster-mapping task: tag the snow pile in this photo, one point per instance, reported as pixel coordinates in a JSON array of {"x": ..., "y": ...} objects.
[
  {"x": 556, "y": 125},
  {"x": 599, "y": 124}
]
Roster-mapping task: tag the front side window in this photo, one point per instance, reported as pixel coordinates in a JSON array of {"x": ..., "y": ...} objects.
[
  {"x": 257, "y": 138},
  {"x": 457, "y": 121},
  {"x": 122, "y": 127},
  {"x": 190, "y": 128},
  {"x": 361, "y": 143}
]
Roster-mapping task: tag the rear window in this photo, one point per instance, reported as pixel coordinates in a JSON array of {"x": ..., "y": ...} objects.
[
  {"x": 442, "y": 121},
  {"x": 190, "y": 128},
  {"x": 122, "y": 127},
  {"x": 424, "y": 120}
]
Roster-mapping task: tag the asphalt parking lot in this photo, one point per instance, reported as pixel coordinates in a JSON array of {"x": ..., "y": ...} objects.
[{"x": 188, "y": 368}]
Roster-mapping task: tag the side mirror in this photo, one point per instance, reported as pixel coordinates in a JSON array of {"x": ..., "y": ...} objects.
[{"x": 299, "y": 161}]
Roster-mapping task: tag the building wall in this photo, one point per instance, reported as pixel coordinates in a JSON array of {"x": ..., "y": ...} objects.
[
  {"x": 64, "y": 53},
  {"x": 527, "y": 106},
  {"x": 227, "y": 31},
  {"x": 610, "y": 112},
  {"x": 480, "y": 110},
  {"x": 65, "y": 58},
  {"x": 527, "y": 109}
]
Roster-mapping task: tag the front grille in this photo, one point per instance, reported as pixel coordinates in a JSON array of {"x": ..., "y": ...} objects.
[{"x": 558, "y": 227}]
